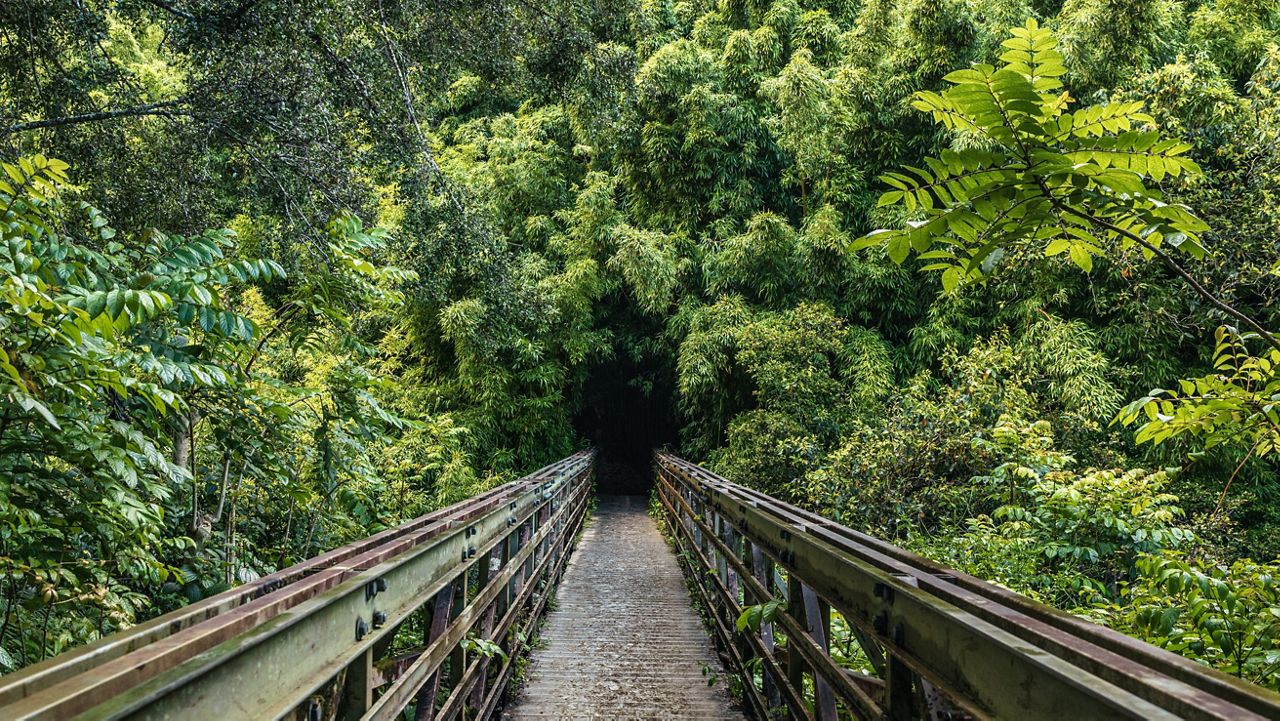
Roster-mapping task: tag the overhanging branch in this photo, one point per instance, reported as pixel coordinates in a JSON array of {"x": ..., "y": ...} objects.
[
  {"x": 170, "y": 107},
  {"x": 170, "y": 8},
  {"x": 1178, "y": 270}
]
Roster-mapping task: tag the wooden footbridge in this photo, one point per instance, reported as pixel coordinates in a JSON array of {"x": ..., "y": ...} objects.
[{"x": 801, "y": 618}]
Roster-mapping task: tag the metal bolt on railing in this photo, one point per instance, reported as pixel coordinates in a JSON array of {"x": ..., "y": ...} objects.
[
  {"x": 374, "y": 587},
  {"x": 884, "y": 592}
]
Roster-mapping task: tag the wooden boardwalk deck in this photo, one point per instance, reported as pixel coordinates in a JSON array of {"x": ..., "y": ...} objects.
[{"x": 624, "y": 642}]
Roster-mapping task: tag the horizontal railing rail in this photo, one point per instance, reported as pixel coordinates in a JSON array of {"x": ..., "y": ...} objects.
[
  {"x": 430, "y": 615},
  {"x": 939, "y": 643}
]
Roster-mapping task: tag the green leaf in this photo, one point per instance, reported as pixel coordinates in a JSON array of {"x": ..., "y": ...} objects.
[
  {"x": 951, "y": 278},
  {"x": 899, "y": 248},
  {"x": 28, "y": 403}
]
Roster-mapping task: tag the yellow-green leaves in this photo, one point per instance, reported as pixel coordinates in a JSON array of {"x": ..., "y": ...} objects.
[
  {"x": 1079, "y": 245},
  {"x": 1098, "y": 120},
  {"x": 650, "y": 263},
  {"x": 813, "y": 123},
  {"x": 35, "y": 179},
  {"x": 461, "y": 319},
  {"x": 1033, "y": 53},
  {"x": 1031, "y": 174},
  {"x": 1237, "y": 404}
]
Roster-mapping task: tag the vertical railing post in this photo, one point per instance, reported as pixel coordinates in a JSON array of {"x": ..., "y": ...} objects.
[
  {"x": 512, "y": 547},
  {"x": 440, "y": 610},
  {"x": 357, "y": 694},
  {"x": 899, "y": 694},
  {"x": 503, "y": 550},
  {"x": 458, "y": 656},
  {"x": 530, "y": 527},
  {"x": 899, "y": 679},
  {"x": 540, "y": 519},
  {"x": 818, "y": 617},
  {"x": 795, "y": 606},
  {"x": 709, "y": 525},
  {"x": 486, "y": 628},
  {"x": 695, "y": 504},
  {"x": 747, "y": 554},
  {"x": 722, "y": 565},
  {"x": 517, "y": 542},
  {"x": 729, "y": 535},
  {"x": 762, "y": 565}
]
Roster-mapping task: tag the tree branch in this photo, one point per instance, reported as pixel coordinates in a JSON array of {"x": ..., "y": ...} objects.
[
  {"x": 345, "y": 67},
  {"x": 424, "y": 147},
  {"x": 169, "y": 8},
  {"x": 283, "y": 317},
  {"x": 1172, "y": 264},
  {"x": 165, "y": 108}
]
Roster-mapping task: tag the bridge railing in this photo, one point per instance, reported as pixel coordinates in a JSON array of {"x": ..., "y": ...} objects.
[
  {"x": 429, "y": 616},
  {"x": 939, "y": 644}
]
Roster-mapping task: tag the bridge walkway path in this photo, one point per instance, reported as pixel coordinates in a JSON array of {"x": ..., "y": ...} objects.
[{"x": 623, "y": 641}]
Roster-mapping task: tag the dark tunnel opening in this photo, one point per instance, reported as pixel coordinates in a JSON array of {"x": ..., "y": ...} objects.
[{"x": 627, "y": 412}]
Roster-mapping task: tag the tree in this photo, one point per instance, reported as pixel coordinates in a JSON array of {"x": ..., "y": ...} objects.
[
  {"x": 1037, "y": 174},
  {"x": 1078, "y": 183},
  {"x": 137, "y": 412}
]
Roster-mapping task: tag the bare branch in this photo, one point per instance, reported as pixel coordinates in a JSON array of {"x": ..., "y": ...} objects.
[
  {"x": 1173, "y": 265},
  {"x": 166, "y": 108},
  {"x": 169, "y": 8}
]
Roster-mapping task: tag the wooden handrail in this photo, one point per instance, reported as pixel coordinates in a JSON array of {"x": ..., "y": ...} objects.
[
  {"x": 937, "y": 642},
  {"x": 364, "y": 631}
]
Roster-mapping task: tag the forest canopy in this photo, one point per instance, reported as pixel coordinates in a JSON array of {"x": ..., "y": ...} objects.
[{"x": 995, "y": 280}]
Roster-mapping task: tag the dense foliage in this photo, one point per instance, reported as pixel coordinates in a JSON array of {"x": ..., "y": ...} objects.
[{"x": 303, "y": 268}]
